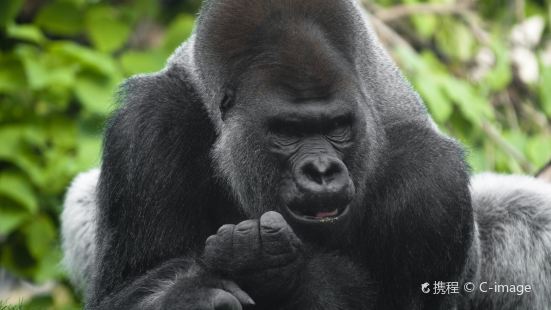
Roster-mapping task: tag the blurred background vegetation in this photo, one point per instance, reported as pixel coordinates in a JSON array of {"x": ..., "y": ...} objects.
[{"x": 483, "y": 68}]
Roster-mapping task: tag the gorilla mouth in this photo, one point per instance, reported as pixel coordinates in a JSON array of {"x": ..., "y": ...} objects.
[{"x": 318, "y": 216}]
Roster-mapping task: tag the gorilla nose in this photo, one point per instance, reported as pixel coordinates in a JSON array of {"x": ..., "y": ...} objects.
[{"x": 323, "y": 176}]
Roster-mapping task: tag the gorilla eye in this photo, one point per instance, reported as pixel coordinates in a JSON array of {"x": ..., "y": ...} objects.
[
  {"x": 227, "y": 102},
  {"x": 339, "y": 130},
  {"x": 285, "y": 141},
  {"x": 340, "y": 133},
  {"x": 285, "y": 133}
]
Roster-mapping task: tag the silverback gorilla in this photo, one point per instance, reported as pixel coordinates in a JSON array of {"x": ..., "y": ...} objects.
[{"x": 281, "y": 161}]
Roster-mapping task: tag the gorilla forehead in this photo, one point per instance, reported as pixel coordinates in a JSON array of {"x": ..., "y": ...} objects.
[
  {"x": 302, "y": 61},
  {"x": 241, "y": 23},
  {"x": 302, "y": 35}
]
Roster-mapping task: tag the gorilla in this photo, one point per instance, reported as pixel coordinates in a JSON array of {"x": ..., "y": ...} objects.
[{"x": 281, "y": 161}]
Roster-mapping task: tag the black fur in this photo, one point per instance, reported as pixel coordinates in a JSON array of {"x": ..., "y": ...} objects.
[{"x": 166, "y": 183}]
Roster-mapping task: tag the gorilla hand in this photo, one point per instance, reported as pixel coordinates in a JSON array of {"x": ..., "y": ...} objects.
[
  {"x": 206, "y": 293},
  {"x": 263, "y": 256}
]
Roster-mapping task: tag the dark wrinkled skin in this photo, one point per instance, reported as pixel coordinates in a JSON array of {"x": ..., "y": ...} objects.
[{"x": 254, "y": 251}]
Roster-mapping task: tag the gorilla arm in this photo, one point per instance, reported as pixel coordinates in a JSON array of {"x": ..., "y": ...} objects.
[
  {"x": 153, "y": 180},
  {"x": 513, "y": 217},
  {"x": 422, "y": 225}
]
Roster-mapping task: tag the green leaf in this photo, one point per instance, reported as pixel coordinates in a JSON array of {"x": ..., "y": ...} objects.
[
  {"x": 105, "y": 29},
  {"x": 10, "y": 219},
  {"x": 15, "y": 149},
  {"x": 46, "y": 69},
  {"x": 40, "y": 236},
  {"x": 472, "y": 104},
  {"x": 61, "y": 18},
  {"x": 36, "y": 72},
  {"x": 477, "y": 160},
  {"x": 89, "y": 152},
  {"x": 500, "y": 76},
  {"x": 410, "y": 60},
  {"x": 29, "y": 33},
  {"x": 17, "y": 188},
  {"x": 57, "y": 173},
  {"x": 61, "y": 132},
  {"x": 435, "y": 98},
  {"x": 515, "y": 138},
  {"x": 538, "y": 150},
  {"x": 62, "y": 76},
  {"x": 95, "y": 93},
  {"x": 425, "y": 25},
  {"x": 455, "y": 39},
  {"x": 12, "y": 74},
  {"x": 464, "y": 42},
  {"x": 134, "y": 62},
  {"x": 178, "y": 31},
  {"x": 96, "y": 61},
  {"x": 8, "y": 11},
  {"x": 144, "y": 8},
  {"x": 545, "y": 90},
  {"x": 48, "y": 266}
]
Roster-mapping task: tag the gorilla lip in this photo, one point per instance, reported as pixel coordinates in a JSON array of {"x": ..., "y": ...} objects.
[{"x": 319, "y": 216}]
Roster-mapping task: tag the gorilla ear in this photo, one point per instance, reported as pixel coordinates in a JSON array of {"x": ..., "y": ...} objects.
[{"x": 227, "y": 102}]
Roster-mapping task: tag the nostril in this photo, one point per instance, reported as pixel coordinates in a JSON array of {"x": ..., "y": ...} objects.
[
  {"x": 322, "y": 184},
  {"x": 313, "y": 173},
  {"x": 321, "y": 171},
  {"x": 333, "y": 170}
]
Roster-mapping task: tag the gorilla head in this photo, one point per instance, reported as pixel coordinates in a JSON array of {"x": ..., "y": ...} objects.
[{"x": 297, "y": 133}]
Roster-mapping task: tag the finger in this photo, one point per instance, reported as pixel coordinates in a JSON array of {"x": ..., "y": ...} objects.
[
  {"x": 246, "y": 243},
  {"x": 222, "y": 300},
  {"x": 211, "y": 253},
  {"x": 276, "y": 234},
  {"x": 272, "y": 218},
  {"x": 211, "y": 240},
  {"x": 223, "y": 237},
  {"x": 218, "y": 248},
  {"x": 236, "y": 291},
  {"x": 225, "y": 229}
]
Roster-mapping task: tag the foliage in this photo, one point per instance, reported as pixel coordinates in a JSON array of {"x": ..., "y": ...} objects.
[
  {"x": 463, "y": 63},
  {"x": 60, "y": 64},
  {"x": 10, "y": 307},
  {"x": 61, "y": 61}
]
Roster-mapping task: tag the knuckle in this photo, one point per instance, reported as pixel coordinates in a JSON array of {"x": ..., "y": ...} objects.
[
  {"x": 227, "y": 228},
  {"x": 273, "y": 218},
  {"x": 246, "y": 226},
  {"x": 211, "y": 240},
  {"x": 274, "y": 230}
]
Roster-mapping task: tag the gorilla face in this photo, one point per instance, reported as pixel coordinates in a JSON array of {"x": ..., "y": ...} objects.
[{"x": 296, "y": 117}]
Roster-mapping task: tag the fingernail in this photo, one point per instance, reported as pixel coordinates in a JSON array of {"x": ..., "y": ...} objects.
[{"x": 250, "y": 301}]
